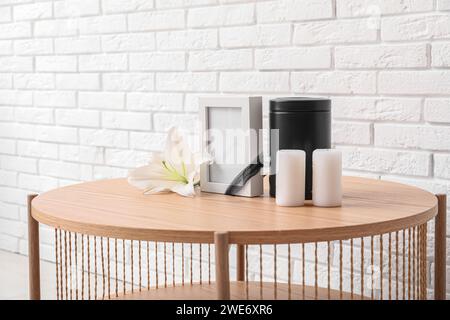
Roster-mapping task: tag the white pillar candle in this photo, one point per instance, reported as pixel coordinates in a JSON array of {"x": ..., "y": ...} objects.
[
  {"x": 290, "y": 178},
  {"x": 327, "y": 178}
]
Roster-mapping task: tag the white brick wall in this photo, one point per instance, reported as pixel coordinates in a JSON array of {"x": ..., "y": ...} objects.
[{"x": 88, "y": 88}]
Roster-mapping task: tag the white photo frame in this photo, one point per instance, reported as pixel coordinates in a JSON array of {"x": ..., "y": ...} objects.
[{"x": 231, "y": 114}]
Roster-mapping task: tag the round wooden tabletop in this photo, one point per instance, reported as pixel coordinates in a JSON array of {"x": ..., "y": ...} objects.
[{"x": 113, "y": 208}]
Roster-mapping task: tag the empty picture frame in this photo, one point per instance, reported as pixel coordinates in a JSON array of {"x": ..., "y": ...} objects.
[{"x": 230, "y": 134}]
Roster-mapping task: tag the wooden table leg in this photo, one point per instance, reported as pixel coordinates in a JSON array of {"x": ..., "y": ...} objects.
[
  {"x": 222, "y": 265},
  {"x": 33, "y": 254},
  {"x": 440, "y": 232},
  {"x": 240, "y": 262}
]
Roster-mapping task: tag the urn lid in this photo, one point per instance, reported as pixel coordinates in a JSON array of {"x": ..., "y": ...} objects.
[{"x": 300, "y": 104}]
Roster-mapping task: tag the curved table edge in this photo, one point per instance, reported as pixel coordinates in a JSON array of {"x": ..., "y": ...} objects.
[{"x": 241, "y": 237}]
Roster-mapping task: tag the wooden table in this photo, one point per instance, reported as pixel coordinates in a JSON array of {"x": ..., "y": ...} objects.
[{"x": 116, "y": 214}]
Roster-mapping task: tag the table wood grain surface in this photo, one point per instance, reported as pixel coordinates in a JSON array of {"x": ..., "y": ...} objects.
[{"x": 113, "y": 208}]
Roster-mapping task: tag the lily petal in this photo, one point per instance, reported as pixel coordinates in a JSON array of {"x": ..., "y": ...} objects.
[
  {"x": 186, "y": 190},
  {"x": 156, "y": 190},
  {"x": 177, "y": 151},
  {"x": 176, "y": 169}
]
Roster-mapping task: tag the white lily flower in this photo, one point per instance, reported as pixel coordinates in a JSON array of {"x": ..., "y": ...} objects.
[{"x": 176, "y": 169}]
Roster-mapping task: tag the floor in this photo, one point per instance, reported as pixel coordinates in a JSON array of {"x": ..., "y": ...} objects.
[{"x": 14, "y": 277}]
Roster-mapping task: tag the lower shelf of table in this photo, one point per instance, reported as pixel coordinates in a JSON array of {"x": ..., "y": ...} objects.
[{"x": 239, "y": 291}]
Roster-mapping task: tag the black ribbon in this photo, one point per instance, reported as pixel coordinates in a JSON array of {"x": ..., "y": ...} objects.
[{"x": 244, "y": 176}]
